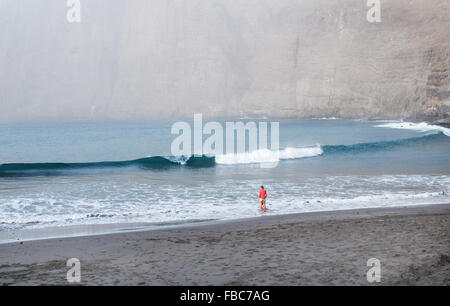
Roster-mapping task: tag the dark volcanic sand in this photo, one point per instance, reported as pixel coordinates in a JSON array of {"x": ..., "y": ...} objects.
[{"x": 331, "y": 248}]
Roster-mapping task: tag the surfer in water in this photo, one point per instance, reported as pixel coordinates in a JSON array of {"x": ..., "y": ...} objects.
[{"x": 262, "y": 198}]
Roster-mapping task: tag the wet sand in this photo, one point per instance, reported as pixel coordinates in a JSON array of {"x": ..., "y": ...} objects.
[{"x": 324, "y": 248}]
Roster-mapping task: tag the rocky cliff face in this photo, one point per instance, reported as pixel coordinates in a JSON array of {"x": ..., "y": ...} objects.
[
  {"x": 436, "y": 105},
  {"x": 225, "y": 58}
]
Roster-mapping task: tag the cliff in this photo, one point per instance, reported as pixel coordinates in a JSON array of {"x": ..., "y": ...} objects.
[{"x": 225, "y": 58}]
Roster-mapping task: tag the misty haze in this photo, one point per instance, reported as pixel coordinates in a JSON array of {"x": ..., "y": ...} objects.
[{"x": 223, "y": 58}]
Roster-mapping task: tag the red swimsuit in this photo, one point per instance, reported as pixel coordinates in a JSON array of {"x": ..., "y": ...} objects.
[{"x": 262, "y": 194}]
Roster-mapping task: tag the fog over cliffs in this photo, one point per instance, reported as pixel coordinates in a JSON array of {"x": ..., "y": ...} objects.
[{"x": 132, "y": 59}]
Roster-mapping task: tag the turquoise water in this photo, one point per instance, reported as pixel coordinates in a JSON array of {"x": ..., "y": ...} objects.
[{"x": 57, "y": 174}]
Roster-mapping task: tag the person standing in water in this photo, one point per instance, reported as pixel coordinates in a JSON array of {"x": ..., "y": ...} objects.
[{"x": 262, "y": 198}]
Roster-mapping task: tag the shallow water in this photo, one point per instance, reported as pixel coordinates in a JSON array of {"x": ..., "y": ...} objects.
[{"x": 123, "y": 172}]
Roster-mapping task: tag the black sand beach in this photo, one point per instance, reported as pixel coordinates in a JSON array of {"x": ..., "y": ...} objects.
[{"x": 327, "y": 248}]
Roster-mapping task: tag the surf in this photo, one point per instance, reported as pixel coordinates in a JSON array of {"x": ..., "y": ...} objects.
[
  {"x": 205, "y": 161},
  {"x": 421, "y": 127},
  {"x": 268, "y": 156}
]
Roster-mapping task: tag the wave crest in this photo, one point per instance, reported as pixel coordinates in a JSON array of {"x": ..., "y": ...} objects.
[
  {"x": 421, "y": 127},
  {"x": 258, "y": 156},
  {"x": 268, "y": 156}
]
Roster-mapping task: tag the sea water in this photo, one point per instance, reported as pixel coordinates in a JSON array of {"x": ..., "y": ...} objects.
[{"x": 59, "y": 174}]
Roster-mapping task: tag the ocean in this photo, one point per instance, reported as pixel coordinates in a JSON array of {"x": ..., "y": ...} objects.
[{"x": 81, "y": 173}]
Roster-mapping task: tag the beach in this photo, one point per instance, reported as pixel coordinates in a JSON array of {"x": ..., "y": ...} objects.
[
  {"x": 411, "y": 243},
  {"x": 138, "y": 138}
]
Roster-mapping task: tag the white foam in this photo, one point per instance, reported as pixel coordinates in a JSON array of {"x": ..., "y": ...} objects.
[
  {"x": 326, "y": 118},
  {"x": 268, "y": 156},
  {"x": 422, "y": 127},
  {"x": 149, "y": 203}
]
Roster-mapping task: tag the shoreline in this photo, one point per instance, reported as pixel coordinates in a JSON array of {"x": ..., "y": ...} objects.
[
  {"x": 88, "y": 230},
  {"x": 318, "y": 248}
]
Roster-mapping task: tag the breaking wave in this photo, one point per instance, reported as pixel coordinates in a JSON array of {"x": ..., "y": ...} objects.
[{"x": 258, "y": 156}]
